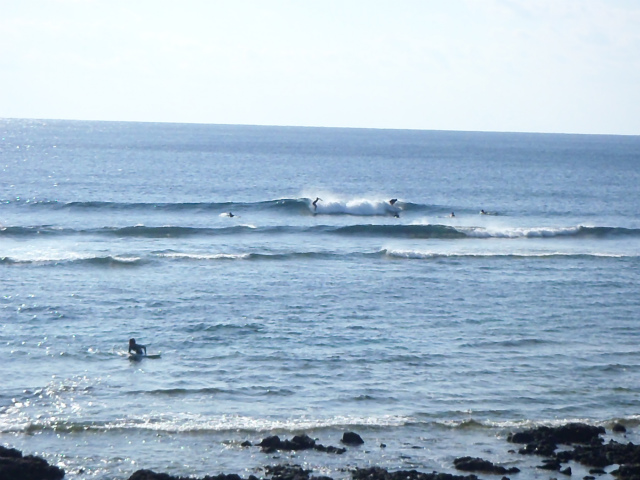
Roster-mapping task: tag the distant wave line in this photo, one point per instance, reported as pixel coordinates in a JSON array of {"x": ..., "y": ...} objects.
[
  {"x": 142, "y": 260},
  {"x": 422, "y": 255},
  {"x": 355, "y": 207},
  {"x": 413, "y": 231}
]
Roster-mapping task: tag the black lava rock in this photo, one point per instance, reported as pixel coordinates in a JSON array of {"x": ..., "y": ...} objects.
[
  {"x": 619, "y": 428},
  {"x": 544, "y": 440},
  {"x": 13, "y": 466},
  {"x": 9, "y": 452},
  {"x": 566, "y": 471},
  {"x": 351, "y": 438},
  {"x": 627, "y": 472},
  {"x": 270, "y": 444},
  {"x": 299, "y": 442},
  {"x": 470, "y": 464},
  {"x": 151, "y": 475},
  {"x": 378, "y": 473}
]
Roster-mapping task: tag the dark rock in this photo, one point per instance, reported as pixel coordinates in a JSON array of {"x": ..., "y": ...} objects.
[
  {"x": 299, "y": 442},
  {"x": 551, "y": 464},
  {"x": 10, "y": 452},
  {"x": 627, "y": 472},
  {"x": 378, "y": 473},
  {"x": 351, "y": 438},
  {"x": 246, "y": 443},
  {"x": 271, "y": 443},
  {"x": 336, "y": 450},
  {"x": 565, "y": 434},
  {"x": 469, "y": 464},
  {"x": 14, "y": 467},
  {"x": 601, "y": 456},
  {"x": 543, "y": 448},
  {"x": 619, "y": 428},
  {"x": 151, "y": 475},
  {"x": 597, "y": 471},
  {"x": 527, "y": 436},
  {"x": 287, "y": 472},
  {"x": 588, "y": 477},
  {"x": 544, "y": 440},
  {"x": 566, "y": 471}
]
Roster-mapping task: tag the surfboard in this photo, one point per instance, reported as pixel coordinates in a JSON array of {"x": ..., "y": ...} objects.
[{"x": 140, "y": 356}]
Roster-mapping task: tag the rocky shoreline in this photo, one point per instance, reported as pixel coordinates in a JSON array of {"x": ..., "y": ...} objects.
[{"x": 582, "y": 444}]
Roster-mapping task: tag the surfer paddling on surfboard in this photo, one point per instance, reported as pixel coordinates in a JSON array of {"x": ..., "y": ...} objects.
[{"x": 136, "y": 348}]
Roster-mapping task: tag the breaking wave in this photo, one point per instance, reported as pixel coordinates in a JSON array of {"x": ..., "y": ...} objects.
[{"x": 364, "y": 230}]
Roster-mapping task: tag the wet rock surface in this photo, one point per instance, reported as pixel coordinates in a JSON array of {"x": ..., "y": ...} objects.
[
  {"x": 299, "y": 442},
  {"x": 469, "y": 464},
  {"x": 581, "y": 443},
  {"x": 377, "y": 473},
  {"x": 13, "y": 466},
  {"x": 590, "y": 451},
  {"x": 351, "y": 438},
  {"x": 545, "y": 440}
]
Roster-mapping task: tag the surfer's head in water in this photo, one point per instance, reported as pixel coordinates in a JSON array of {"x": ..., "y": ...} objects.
[{"x": 136, "y": 347}]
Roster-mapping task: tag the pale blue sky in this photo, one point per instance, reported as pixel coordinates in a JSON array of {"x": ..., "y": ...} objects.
[{"x": 570, "y": 66}]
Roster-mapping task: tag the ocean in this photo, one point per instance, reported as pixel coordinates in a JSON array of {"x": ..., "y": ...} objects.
[{"x": 429, "y": 328}]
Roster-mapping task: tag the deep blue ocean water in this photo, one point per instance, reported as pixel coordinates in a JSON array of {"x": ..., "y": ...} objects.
[{"x": 436, "y": 335}]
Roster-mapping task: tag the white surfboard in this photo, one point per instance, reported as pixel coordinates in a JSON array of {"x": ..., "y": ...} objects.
[{"x": 140, "y": 356}]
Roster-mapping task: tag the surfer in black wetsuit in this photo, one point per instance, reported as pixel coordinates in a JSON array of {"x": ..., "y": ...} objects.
[
  {"x": 393, "y": 201},
  {"x": 315, "y": 203},
  {"x": 136, "y": 348}
]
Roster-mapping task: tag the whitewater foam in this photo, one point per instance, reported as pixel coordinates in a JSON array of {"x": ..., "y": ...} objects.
[
  {"x": 354, "y": 206},
  {"x": 418, "y": 254}
]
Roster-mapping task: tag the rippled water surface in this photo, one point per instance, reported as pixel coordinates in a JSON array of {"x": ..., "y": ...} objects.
[{"x": 433, "y": 334}]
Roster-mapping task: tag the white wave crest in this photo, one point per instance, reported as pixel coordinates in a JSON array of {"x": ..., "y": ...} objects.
[
  {"x": 420, "y": 255},
  {"x": 356, "y": 206},
  {"x": 205, "y": 256},
  {"x": 197, "y": 423},
  {"x": 188, "y": 423},
  {"x": 519, "y": 232}
]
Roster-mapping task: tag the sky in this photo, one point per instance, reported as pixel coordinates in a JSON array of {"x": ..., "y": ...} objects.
[{"x": 561, "y": 66}]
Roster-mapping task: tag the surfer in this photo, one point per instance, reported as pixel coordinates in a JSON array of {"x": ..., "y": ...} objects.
[
  {"x": 315, "y": 203},
  {"x": 393, "y": 201},
  {"x": 482, "y": 212},
  {"x": 452, "y": 215},
  {"x": 231, "y": 215},
  {"x": 136, "y": 348}
]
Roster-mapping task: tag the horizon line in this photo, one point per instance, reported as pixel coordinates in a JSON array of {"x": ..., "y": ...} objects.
[{"x": 165, "y": 122}]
